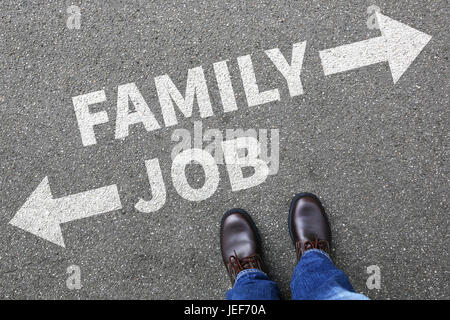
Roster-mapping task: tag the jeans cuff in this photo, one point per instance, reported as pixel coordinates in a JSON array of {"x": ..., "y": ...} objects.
[
  {"x": 243, "y": 272},
  {"x": 318, "y": 251}
]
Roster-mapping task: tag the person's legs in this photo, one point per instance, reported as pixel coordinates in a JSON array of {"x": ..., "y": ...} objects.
[
  {"x": 315, "y": 276},
  {"x": 253, "y": 284},
  {"x": 241, "y": 253}
]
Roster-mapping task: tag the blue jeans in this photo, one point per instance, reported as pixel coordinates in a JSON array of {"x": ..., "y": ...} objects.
[{"x": 315, "y": 278}]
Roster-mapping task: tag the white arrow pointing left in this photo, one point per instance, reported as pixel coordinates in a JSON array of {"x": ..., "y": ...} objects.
[{"x": 42, "y": 215}]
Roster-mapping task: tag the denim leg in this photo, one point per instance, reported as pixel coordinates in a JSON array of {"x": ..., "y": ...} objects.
[
  {"x": 316, "y": 278},
  {"x": 253, "y": 284}
]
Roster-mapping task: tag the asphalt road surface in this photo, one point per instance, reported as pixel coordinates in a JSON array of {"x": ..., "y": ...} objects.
[{"x": 375, "y": 152}]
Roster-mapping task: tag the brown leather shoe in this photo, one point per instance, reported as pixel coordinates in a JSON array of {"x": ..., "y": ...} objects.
[
  {"x": 308, "y": 224},
  {"x": 240, "y": 243}
]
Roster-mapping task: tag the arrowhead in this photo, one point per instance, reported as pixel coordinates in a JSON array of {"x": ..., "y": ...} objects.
[
  {"x": 403, "y": 42},
  {"x": 37, "y": 215}
]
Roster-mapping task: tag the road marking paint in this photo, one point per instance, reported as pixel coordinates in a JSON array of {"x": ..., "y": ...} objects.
[{"x": 399, "y": 45}]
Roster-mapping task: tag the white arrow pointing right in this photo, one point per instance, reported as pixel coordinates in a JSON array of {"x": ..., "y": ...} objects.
[{"x": 399, "y": 45}]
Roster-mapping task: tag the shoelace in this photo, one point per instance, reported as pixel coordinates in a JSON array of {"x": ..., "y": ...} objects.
[
  {"x": 237, "y": 264},
  {"x": 316, "y": 244}
]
